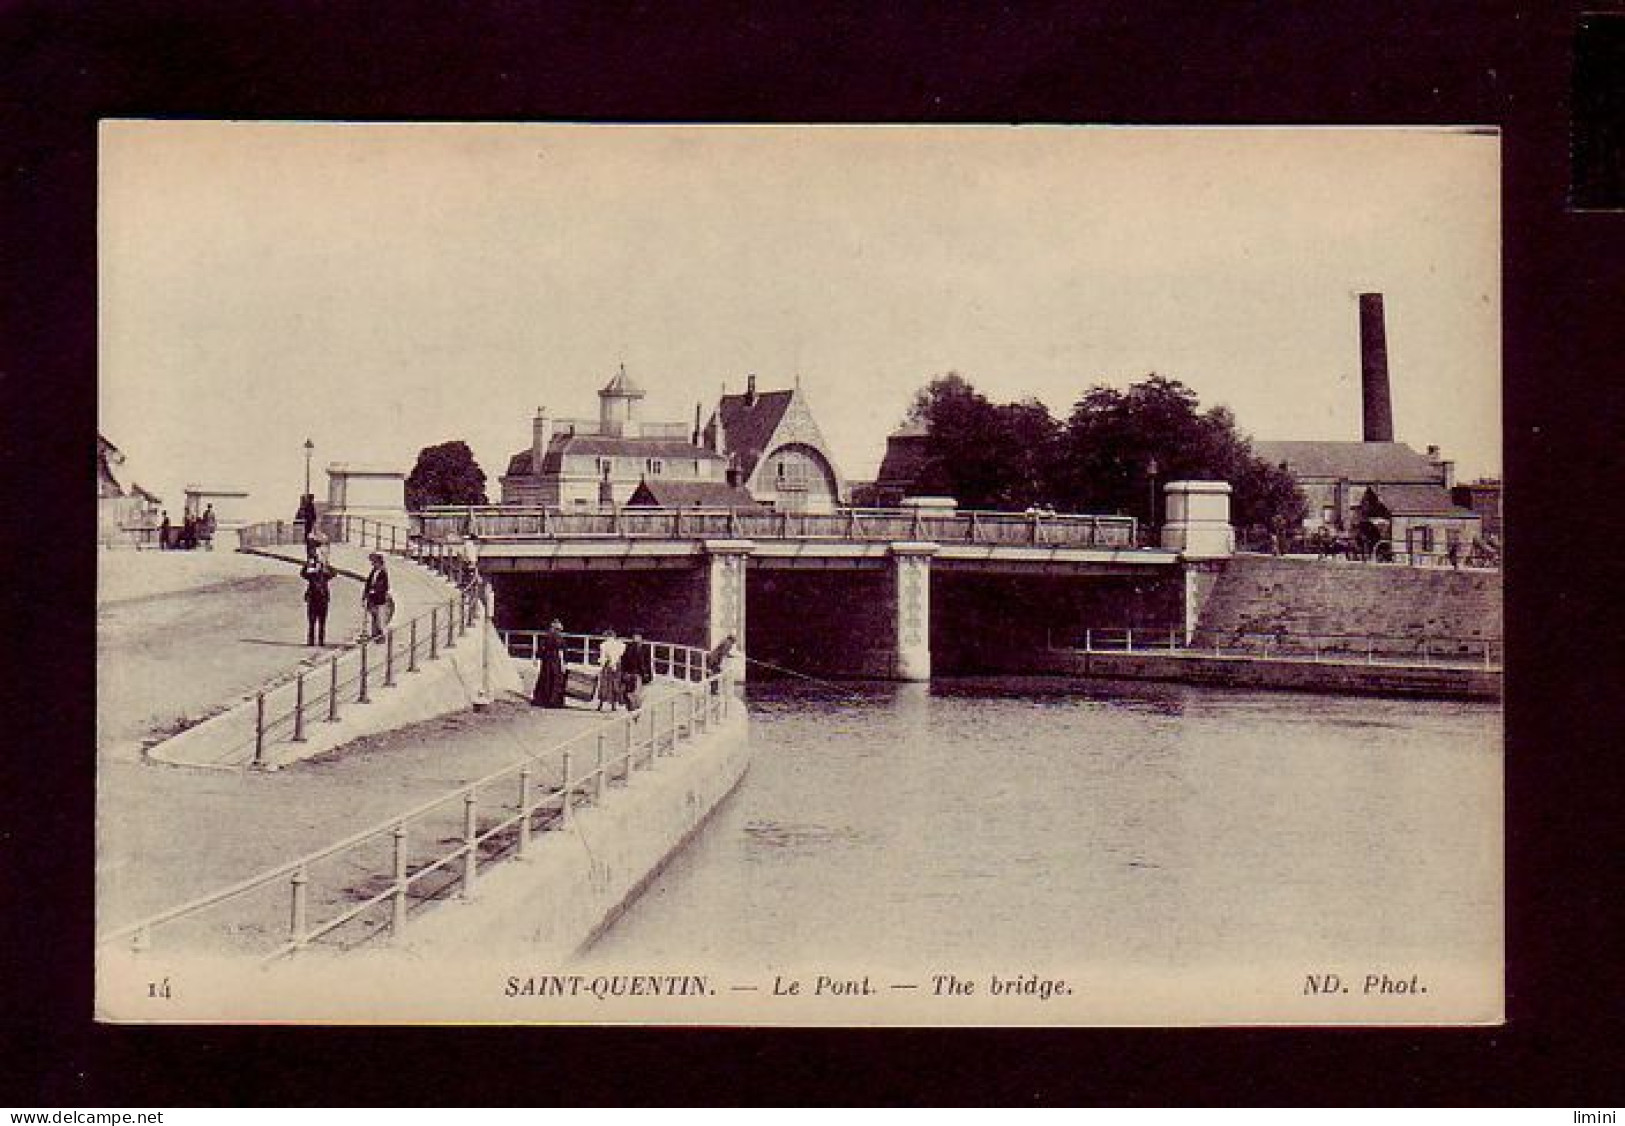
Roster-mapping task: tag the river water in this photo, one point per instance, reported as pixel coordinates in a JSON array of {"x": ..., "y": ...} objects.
[{"x": 1054, "y": 824}]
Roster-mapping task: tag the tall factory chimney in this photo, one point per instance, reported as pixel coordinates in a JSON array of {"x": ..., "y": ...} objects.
[{"x": 1379, "y": 411}]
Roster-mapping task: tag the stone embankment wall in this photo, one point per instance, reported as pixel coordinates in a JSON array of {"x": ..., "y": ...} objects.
[
  {"x": 1267, "y": 595},
  {"x": 577, "y": 880},
  {"x": 1305, "y": 676}
]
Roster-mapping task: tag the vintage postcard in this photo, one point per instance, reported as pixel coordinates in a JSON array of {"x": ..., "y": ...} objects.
[{"x": 799, "y": 575}]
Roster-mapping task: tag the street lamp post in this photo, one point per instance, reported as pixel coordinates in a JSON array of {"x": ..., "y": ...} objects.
[
  {"x": 310, "y": 448},
  {"x": 1151, "y": 469}
]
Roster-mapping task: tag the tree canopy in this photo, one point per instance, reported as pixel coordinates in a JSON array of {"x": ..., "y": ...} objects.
[
  {"x": 1113, "y": 454},
  {"x": 445, "y": 474}
]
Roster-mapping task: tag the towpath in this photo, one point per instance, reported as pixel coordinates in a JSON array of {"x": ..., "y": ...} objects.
[
  {"x": 182, "y": 635},
  {"x": 170, "y": 834}
]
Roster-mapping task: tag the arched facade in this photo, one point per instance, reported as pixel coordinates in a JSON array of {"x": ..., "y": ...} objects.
[{"x": 796, "y": 477}]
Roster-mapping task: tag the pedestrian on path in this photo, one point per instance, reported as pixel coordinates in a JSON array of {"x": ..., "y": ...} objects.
[
  {"x": 549, "y": 691},
  {"x": 376, "y": 600},
  {"x": 635, "y": 671},
  {"x": 610, "y": 652},
  {"x": 317, "y": 575},
  {"x": 205, "y": 528}
]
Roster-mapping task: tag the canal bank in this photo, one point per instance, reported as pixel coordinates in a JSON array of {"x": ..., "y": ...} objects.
[
  {"x": 547, "y": 907},
  {"x": 1297, "y": 674}
]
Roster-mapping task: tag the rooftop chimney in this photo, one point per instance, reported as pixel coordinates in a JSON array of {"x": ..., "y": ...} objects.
[
  {"x": 541, "y": 436},
  {"x": 750, "y": 390},
  {"x": 1379, "y": 412}
]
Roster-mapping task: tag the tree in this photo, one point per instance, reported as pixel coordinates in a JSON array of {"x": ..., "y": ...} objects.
[
  {"x": 982, "y": 454},
  {"x": 1119, "y": 447},
  {"x": 445, "y": 474}
]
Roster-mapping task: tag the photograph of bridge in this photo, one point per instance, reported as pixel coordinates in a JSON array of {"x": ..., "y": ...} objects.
[{"x": 799, "y": 575}]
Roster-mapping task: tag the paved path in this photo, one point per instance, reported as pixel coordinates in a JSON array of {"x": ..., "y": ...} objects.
[
  {"x": 180, "y": 635},
  {"x": 169, "y": 834}
]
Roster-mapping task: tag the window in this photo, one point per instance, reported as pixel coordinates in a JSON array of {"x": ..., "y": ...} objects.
[
  {"x": 654, "y": 466},
  {"x": 605, "y": 466}
]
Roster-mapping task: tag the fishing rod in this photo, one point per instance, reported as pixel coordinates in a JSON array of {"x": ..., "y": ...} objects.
[{"x": 792, "y": 672}]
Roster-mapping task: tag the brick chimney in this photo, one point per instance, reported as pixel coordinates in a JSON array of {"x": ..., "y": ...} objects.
[
  {"x": 541, "y": 436},
  {"x": 1446, "y": 469},
  {"x": 1378, "y": 411},
  {"x": 750, "y": 390}
]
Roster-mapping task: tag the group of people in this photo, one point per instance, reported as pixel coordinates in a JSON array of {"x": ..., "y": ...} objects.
[
  {"x": 195, "y": 531},
  {"x": 625, "y": 669},
  {"x": 377, "y": 604}
]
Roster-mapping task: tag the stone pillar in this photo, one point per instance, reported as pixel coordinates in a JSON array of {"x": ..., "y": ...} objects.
[
  {"x": 911, "y": 569},
  {"x": 726, "y": 561},
  {"x": 1197, "y": 521}
]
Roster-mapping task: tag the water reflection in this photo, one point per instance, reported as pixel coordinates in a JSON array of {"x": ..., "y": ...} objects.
[{"x": 1037, "y": 819}]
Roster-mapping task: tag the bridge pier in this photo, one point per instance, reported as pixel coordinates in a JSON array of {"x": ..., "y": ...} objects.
[
  {"x": 726, "y": 561},
  {"x": 911, "y": 609}
]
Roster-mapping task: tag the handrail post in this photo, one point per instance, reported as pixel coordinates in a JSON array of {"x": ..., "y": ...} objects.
[
  {"x": 598, "y": 784},
  {"x": 566, "y": 792},
  {"x": 434, "y": 633},
  {"x": 297, "y": 909},
  {"x": 389, "y": 657},
  {"x": 361, "y": 695},
  {"x": 412, "y": 647},
  {"x": 470, "y": 843},
  {"x": 451, "y": 623},
  {"x": 397, "y": 914},
  {"x": 259, "y": 728},
  {"x": 524, "y": 810},
  {"x": 333, "y": 690},
  {"x": 299, "y": 707}
]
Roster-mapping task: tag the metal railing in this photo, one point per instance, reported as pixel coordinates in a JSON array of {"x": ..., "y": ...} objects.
[
  {"x": 678, "y": 662},
  {"x": 873, "y": 524},
  {"x": 433, "y": 552},
  {"x": 371, "y": 882},
  {"x": 1341, "y": 648},
  {"x": 284, "y": 710}
]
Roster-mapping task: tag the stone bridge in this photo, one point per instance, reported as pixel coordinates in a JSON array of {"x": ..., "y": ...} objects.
[{"x": 875, "y": 593}]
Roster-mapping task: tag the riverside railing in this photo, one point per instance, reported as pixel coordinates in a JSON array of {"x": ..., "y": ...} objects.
[
  {"x": 876, "y": 524},
  {"x": 1342, "y": 648},
  {"x": 679, "y": 662},
  {"x": 286, "y": 710},
  {"x": 371, "y": 882}
]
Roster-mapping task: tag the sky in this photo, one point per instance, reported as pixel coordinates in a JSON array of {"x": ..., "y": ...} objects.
[{"x": 382, "y": 288}]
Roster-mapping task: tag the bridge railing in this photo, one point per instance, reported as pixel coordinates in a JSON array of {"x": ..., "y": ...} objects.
[
  {"x": 1370, "y": 648},
  {"x": 847, "y": 524},
  {"x": 370, "y": 883}
]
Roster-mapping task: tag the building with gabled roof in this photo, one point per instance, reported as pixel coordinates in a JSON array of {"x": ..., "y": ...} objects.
[
  {"x": 774, "y": 449},
  {"x": 589, "y": 464},
  {"x": 125, "y": 514},
  {"x": 663, "y": 492}
]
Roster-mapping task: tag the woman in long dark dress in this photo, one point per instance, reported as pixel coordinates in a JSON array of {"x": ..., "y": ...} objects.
[{"x": 550, "y": 678}]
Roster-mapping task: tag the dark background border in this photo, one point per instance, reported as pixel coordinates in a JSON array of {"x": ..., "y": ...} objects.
[{"x": 64, "y": 64}]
